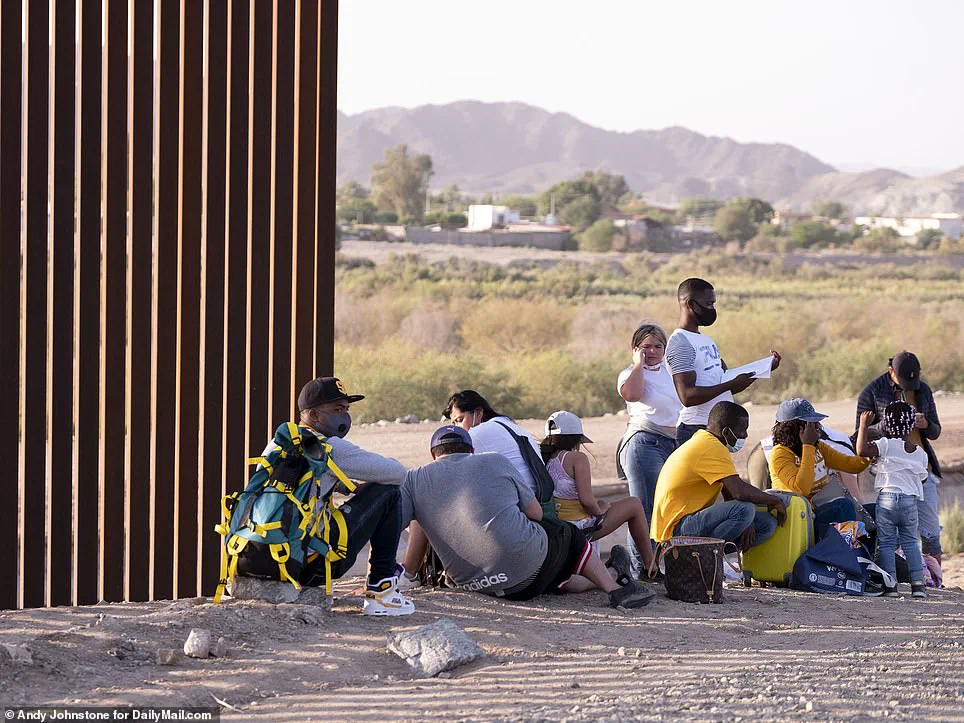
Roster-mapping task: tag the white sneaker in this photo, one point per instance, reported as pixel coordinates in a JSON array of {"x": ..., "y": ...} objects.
[
  {"x": 384, "y": 599},
  {"x": 404, "y": 581}
]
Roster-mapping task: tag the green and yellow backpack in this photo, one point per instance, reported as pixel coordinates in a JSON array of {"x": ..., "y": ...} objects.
[{"x": 285, "y": 518}]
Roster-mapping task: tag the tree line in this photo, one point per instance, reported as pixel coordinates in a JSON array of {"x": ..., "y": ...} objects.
[{"x": 400, "y": 194}]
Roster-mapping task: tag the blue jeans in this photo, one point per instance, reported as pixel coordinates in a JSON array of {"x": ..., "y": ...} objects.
[
  {"x": 685, "y": 431},
  {"x": 727, "y": 521},
  {"x": 642, "y": 458},
  {"x": 930, "y": 526},
  {"x": 841, "y": 509},
  {"x": 897, "y": 520}
]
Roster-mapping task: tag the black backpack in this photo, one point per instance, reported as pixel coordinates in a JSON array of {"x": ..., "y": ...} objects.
[{"x": 545, "y": 487}]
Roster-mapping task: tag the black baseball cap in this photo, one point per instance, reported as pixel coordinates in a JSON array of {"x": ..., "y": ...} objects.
[
  {"x": 907, "y": 368},
  {"x": 323, "y": 390}
]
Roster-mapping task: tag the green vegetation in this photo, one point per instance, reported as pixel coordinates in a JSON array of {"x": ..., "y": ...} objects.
[
  {"x": 535, "y": 339},
  {"x": 400, "y": 183},
  {"x": 598, "y": 237},
  {"x": 952, "y": 532}
]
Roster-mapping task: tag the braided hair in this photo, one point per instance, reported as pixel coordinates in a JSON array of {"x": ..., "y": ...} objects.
[{"x": 899, "y": 419}]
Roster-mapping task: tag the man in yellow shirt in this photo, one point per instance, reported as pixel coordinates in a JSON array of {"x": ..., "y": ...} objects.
[{"x": 697, "y": 472}]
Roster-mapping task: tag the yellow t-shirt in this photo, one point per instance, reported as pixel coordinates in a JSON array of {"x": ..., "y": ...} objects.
[{"x": 690, "y": 480}]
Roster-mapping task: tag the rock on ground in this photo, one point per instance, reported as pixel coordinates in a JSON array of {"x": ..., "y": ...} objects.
[
  {"x": 434, "y": 648},
  {"x": 273, "y": 591},
  {"x": 198, "y": 644},
  {"x": 166, "y": 656}
]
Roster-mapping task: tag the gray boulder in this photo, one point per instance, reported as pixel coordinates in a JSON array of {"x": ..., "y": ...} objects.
[
  {"x": 272, "y": 591},
  {"x": 434, "y": 648},
  {"x": 198, "y": 643}
]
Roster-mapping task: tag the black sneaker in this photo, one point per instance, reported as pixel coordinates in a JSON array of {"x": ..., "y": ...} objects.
[
  {"x": 891, "y": 591},
  {"x": 631, "y": 595},
  {"x": 620, "y": 561},
  {"x": 872, "y": 589},
  {"x": 918, "y": 589}
]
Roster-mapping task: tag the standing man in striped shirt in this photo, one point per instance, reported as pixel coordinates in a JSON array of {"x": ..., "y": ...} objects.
[{"x": 695, "y": 361}]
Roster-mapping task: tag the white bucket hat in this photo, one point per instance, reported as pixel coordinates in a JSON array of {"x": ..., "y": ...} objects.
[{"x": 563, "y": 422}]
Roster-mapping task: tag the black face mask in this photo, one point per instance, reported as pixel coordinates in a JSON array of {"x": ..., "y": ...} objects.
[
  {"x": 704, "y": 316},
  {"x": 334, "y": 425}
]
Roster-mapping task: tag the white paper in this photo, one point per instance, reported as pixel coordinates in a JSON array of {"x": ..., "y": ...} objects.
[{"x": 760, "y": 369}]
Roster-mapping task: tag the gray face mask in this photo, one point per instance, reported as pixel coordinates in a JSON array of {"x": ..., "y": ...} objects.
[{"x": 334, "y": 425}]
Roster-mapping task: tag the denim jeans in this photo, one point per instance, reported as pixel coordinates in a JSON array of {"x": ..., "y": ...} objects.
[
  {"x": 642, "y": 458},
  {"x": 685, "y": 431},
  {"x": 727, "y": 521},
  {"x": 930, "y": 526},
  {"x": 372, "y": 515},
  {"x": 897, "y": 520},
  {"x": 841, "y": 509}
]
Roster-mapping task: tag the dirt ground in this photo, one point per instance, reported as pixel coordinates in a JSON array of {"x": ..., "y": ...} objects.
[{"x": 765, "y": 653}]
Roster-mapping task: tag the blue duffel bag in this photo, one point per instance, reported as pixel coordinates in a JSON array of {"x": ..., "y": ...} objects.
[{"x": 830, "y": 566}]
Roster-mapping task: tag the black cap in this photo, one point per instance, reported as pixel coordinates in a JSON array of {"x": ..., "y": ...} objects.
[
  {"x": 323, "y": 390},
  {"x": 907, "y": 368}
]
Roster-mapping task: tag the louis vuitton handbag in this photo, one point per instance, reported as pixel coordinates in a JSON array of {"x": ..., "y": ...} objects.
[{"x": 694, "y": 569}]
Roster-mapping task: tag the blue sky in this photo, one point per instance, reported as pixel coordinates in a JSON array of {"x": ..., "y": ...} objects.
[{"x": 857, "y": 83}]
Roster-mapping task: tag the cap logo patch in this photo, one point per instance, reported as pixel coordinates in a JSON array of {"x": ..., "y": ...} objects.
[{"x": 341, "y": 386}]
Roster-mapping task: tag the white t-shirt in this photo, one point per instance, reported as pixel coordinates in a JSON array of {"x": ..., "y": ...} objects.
[
  {"x": 899, "y": 471},
  {"x": 658, "y": 410},
  {"x": 490, "y": 436},
  {"x": 687, "y": 351}
]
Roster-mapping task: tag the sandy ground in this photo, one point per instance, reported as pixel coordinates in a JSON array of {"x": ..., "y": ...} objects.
[{"x": 765, "y": 653}]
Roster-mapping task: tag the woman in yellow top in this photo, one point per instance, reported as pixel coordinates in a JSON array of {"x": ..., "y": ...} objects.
[{"x": 800, "y": 463}]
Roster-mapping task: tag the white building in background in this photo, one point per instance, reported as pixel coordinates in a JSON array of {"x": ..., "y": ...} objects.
[
  {"x": 949, "y": 224},
  {"x": 483, "y": 217}
]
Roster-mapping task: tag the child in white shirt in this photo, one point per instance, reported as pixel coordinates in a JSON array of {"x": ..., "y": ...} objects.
[{"x": 901, "y": 470}]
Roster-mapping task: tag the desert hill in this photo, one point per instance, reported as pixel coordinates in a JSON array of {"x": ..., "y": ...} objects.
[{"x": 518, "y": 148}]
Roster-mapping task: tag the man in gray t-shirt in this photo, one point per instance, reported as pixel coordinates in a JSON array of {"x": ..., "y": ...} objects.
[
  {"x": 472, "y": 508},
  {"x": 486, "y": 527}
]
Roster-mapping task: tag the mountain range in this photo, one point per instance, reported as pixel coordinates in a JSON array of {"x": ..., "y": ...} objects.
[{"x": 504, "y": 148}]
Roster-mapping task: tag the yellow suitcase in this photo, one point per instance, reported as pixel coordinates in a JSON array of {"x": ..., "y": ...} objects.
[{"x": 773, "y": 560}]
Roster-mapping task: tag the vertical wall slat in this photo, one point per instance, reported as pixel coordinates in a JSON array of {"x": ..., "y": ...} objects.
[
  {"x": 327, "y": 138},
  {"x": 235, "y": 321},
  {"x": 114, "y": 299},
  {"x": 211, "y": 456},
  {"x": 34, "y": 374},
  {"x": 186, "y": 535},
  {"x": 259, "y": 207},
  {"x": 11, "y": 87},
  {"x": 87, "y": 319},
  {"x": 165, "y": 299},
  {"x": 302, "y": 338},
  {"x": 281, "y": 277},
  {"x": 138, "y": 477},
  {"x": 61, "y": 306},
  {"x": 144, "y": 177}
]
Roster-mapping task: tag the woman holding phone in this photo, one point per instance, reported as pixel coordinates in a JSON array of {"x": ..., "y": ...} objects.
[{"x": 801, "y": 463}]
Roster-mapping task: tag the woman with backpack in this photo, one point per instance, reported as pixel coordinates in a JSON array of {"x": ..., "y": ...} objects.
[{"x": 493, "y": 432}]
